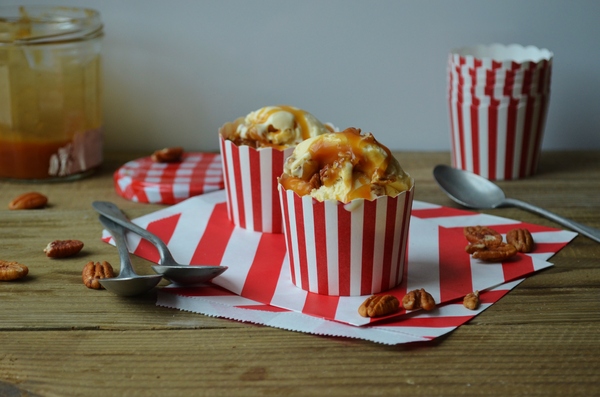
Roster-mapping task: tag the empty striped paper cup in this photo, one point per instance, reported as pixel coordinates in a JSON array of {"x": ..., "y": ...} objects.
[
  {"x": 352, "y": 249},
  {"x": 498, "y": 99}
]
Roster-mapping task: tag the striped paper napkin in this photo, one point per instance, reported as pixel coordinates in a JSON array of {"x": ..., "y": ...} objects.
[{"x": 257, "y": 286}]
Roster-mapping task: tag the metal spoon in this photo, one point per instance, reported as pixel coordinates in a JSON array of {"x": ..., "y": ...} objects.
[
  {"x": 128, "y": 282},
  {"x": 474, "y": 191},
  {"x": 168, "y": 268}
]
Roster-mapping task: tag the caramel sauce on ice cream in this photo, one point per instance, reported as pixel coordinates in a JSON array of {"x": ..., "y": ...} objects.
[
  {"x": 278, "y": 127},
  {"x": 344, "y": 166}
]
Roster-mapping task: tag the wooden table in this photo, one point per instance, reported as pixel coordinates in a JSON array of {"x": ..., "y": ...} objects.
[{"x": 58, "y": 338}]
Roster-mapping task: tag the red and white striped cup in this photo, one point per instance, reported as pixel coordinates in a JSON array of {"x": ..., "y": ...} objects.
[
  {"x": 251, "y": 185},
  {"x": 350, "y": 249},
  {"x": 498, "y": 99}
]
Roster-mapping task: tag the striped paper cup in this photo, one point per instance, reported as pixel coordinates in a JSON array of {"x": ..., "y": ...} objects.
[
  {"x": 500, "y": 56},
  {"x": 498, "y": 100},
  {"x": 251, "y": 185},
  {"x": 529, "y": 82},
  {"x": 498, "y": 141},
  {"x": 350, "y": 249}
]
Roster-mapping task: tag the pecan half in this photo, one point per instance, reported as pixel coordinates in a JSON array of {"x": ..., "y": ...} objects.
[
  {"x": 496, "y": 254},
  {"x": 411, "y": 300},
  {"x": 315, "y": 181},
  {"x": 474, "y": 247},
  {"x": 418, "y": 299},
  {"x": 521, "y": 239},
  {"x": 28, "y": 201},
  {"x": 476, "y": 234},
  {"x": 93, "y": 272},
  {"x": 379, "y": 305},
  {"x": 168, "y": 155},
  {"x": 63, "y": 248},
  {"x": 427, "y": 301},
  {"x": 12, "y": 270},
  {"x": 471, "y": 300}
]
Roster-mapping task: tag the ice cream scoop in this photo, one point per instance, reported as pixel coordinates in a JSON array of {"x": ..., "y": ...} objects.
[
  {"x": 344, "y": 166},
  {"x": 279, "y": 127}
]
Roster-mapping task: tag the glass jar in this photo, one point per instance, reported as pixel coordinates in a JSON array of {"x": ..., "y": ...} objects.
[{"x": 50, "y": 93}]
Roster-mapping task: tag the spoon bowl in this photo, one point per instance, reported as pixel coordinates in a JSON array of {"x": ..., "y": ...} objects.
[
  {"x": 468, "y": 189},
  {"x": 168, "y": 268},
  {"x": 188, "y": 275},
  {"x": 128, "y": 282},
  {"x": 474, "y": 191}
]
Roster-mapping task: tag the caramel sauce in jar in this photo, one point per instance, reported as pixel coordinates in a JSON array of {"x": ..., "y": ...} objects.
[{"x": 50, "y": 93}]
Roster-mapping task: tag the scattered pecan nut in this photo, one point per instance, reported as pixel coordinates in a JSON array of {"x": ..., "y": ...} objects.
[
  {"x": 418, "y": 299},
  {"x": 482, "y": 234},
  {"x": 12, "y": 270},
  {"x": 93, "y": 272},
  {"x": 474, "y": 247},
  {"x": 379, "y": 306},
  {"x": 168, "y": 155},
  {"x": 28, "y": 201},
  {"x": 521, "y": 239},
  {"x": 496, "y": 254},
  {"x": 63, "y": 248},
  {"x": 471, "y": 300}
]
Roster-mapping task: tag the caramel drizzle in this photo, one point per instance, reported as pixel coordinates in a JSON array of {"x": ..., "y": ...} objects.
[
  {"x": 351, "y": 148},
  {"x": 299, "y": 115}
]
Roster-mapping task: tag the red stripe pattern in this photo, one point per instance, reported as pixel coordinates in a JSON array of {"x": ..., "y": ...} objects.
[
  {"x": 251, "y": 185},
  {"x": 146, "y": 181},
  {"x": 259, "y": 270},
  {"x": 368, "y": 241},
  {"x": 497, "y": 115}
]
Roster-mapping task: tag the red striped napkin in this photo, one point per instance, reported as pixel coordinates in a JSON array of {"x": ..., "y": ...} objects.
[{"x": 258, "y": 284}]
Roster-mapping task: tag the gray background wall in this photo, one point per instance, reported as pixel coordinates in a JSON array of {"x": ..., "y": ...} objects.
[{"x": 175, "y": 70}]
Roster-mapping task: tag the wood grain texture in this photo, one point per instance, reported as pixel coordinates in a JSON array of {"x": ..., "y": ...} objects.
[{"x": 58, "y": 338}]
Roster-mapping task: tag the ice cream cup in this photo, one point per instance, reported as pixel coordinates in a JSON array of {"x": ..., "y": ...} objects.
[
  {"x": 352, "y": 249},
  {"x": 251, "y": 183}
]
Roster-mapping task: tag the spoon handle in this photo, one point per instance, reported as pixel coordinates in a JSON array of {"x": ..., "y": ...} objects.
[
  {"x": 117, "y": 233},
  {"x": 590, "y": 232},
  {"x": 112, "y": 212}
]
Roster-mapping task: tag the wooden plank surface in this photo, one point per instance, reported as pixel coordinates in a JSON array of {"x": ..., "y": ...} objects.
[{"x": 58, "y": 338}]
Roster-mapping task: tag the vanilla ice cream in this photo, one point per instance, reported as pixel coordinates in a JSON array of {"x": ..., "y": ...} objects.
[
  {"x": 344, "y": 166},
  {"x": 279, "y": 127}
]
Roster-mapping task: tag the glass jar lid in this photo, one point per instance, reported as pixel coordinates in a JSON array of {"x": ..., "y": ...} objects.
[{"x": 26, "y": 25}]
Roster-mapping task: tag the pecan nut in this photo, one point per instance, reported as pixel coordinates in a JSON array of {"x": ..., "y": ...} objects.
[
  {"x": 379, "y": 306},
  {"x": 12, "y": 270},
  {"x": 496, "y": 254},
  {"x": 521, "y": 239},
  {"x": 168, "y": 155},
  {"x": 93, "y": 272},
  {"x": 484, "y": 234},
  {"x": 418, "y": 299},
  {"x": 471, "y": 300},
  {"x": 474, "y": 247},
  {"x": 63, "y": 248},
  {"x": 28, "y": 201}
]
